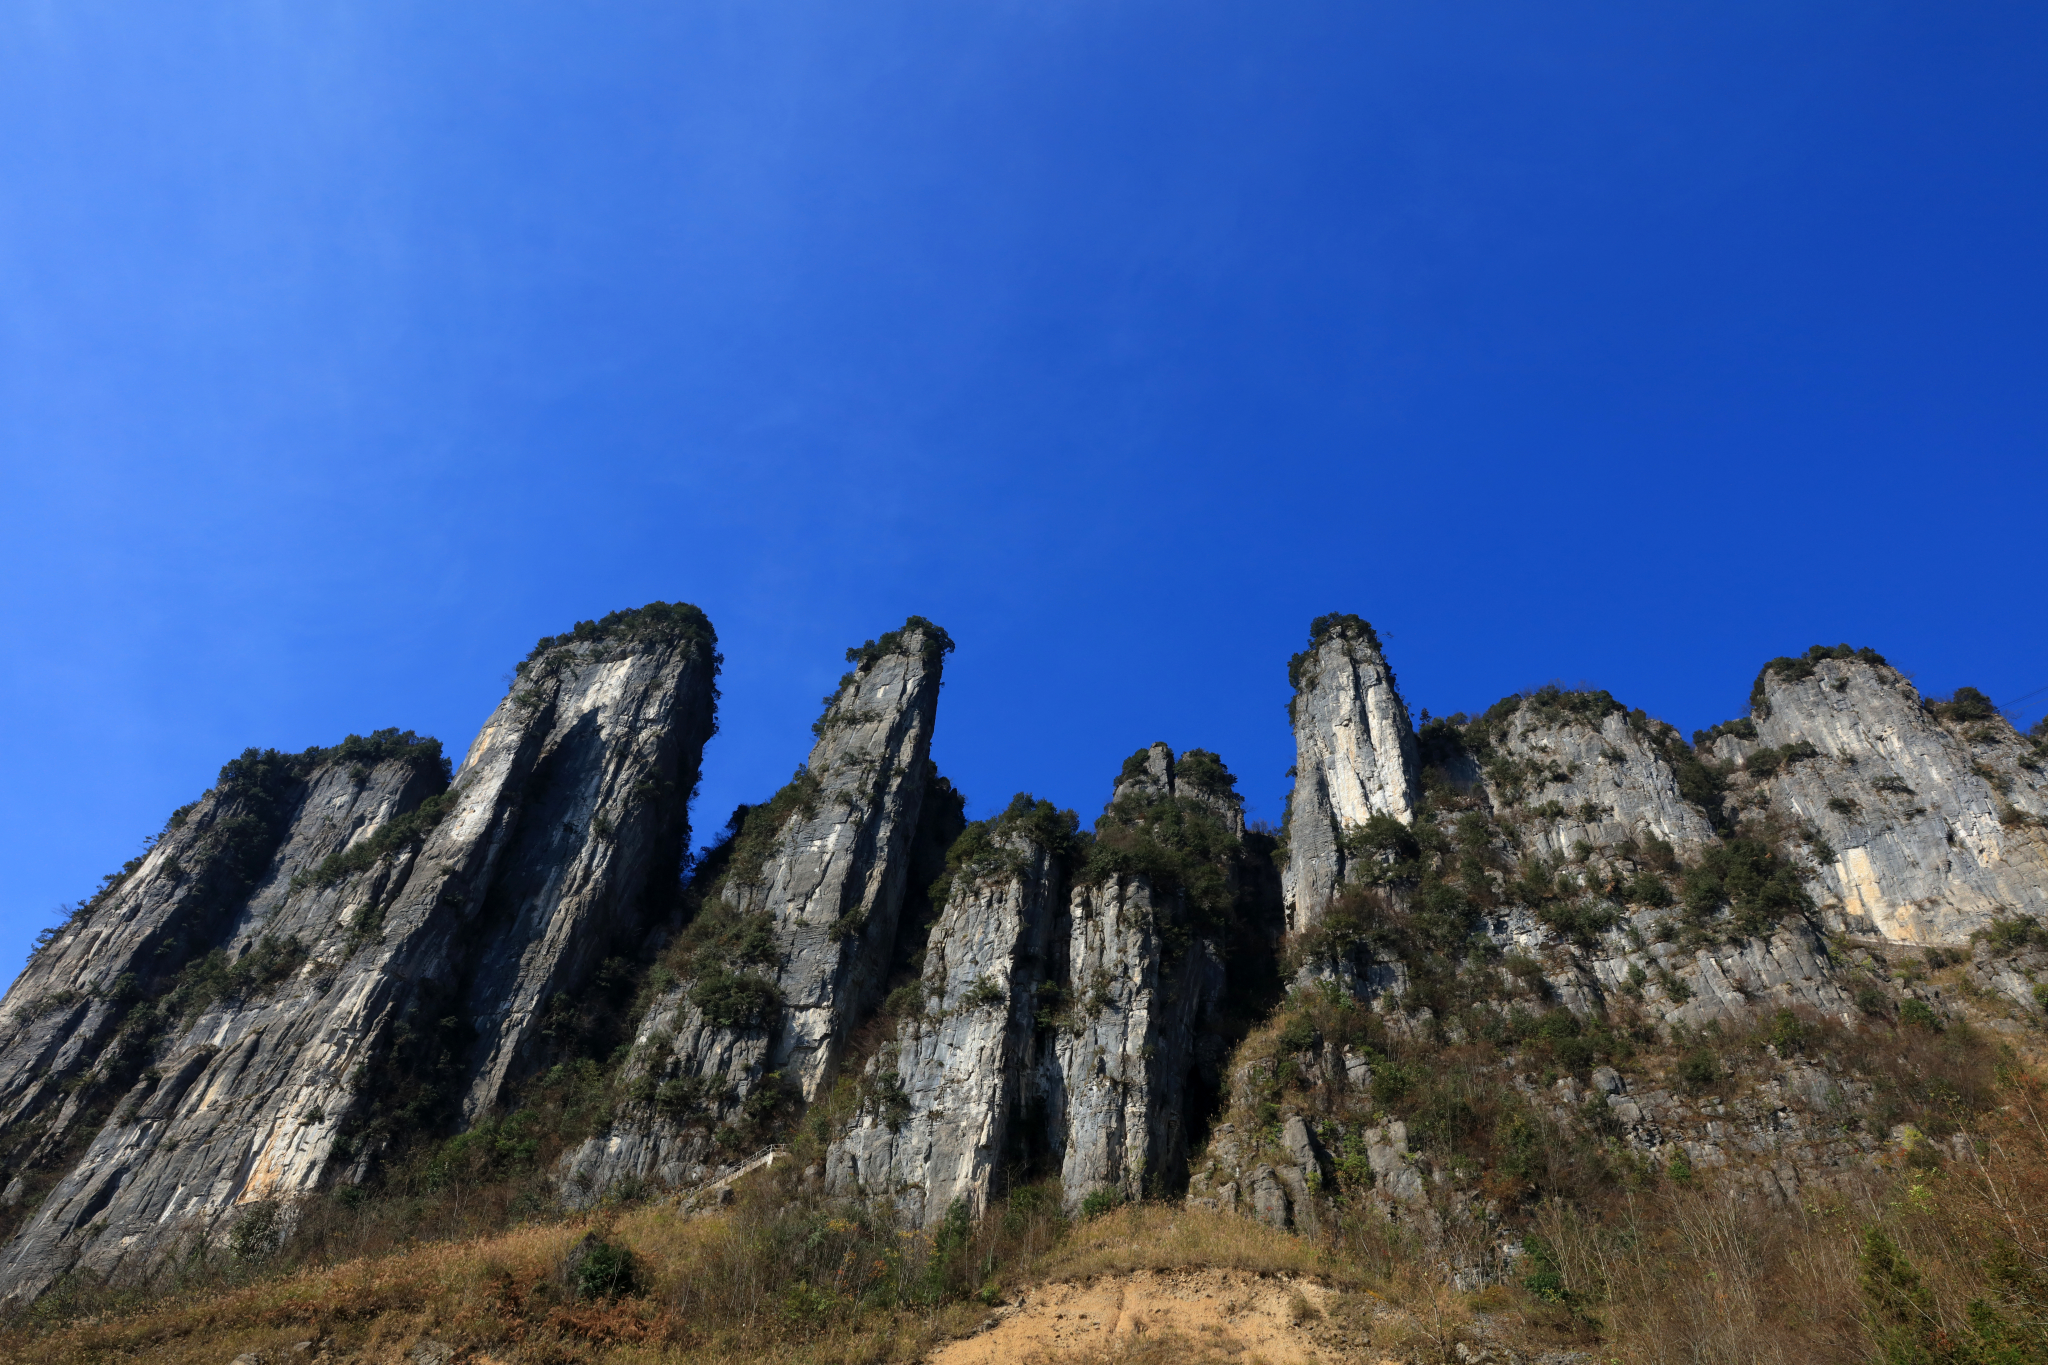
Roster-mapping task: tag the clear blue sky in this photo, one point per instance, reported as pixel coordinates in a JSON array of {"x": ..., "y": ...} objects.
[{"x": 347, "y": 348}]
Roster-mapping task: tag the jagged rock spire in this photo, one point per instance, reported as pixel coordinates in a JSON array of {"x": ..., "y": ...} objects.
[
  {"x": 1355, "y": 757},
  {"x": 329, "y": 943},
  {"x": 812, "y": 891}
]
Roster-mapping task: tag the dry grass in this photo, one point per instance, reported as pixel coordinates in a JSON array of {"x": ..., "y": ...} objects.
[
  {"x": 709, "y": 1296},
  {"x": 1713, "y": 1274},
  {"x": 1164, "y": 1237},
  {"x": 1647, "y": 1270}
]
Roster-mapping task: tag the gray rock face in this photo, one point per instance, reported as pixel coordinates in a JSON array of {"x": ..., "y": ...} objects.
[
  {"x": 939, "y": 1099},
  {"x": 1068, "y": 1030},
  {"x": 835, "y": 886},
  {"x": 1934, "y": 827},
  {"x": 556, "y": 841},
  {"x": 828, "y": 894},
  {"x": 1578, "y": 780},
  {"x": 60, "y": 1015},
  {"x": 1125, "y": 1061},
  {"x": 1355, "y": 757}
]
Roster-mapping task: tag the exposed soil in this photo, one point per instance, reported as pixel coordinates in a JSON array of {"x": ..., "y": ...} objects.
[{"x": 1181, "y": 1317}]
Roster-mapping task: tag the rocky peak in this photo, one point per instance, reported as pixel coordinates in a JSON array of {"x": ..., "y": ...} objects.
[
  {"x": 1355, "y": 757},
  {"x": 1922, "y": 821},
  {"x": 1580, "y": 772},
  {"x": 797, "y": 934},
  {"x": 834, "y": 884},
  {"x": 1153, "y": 774},
  {"x": 334, "y": 914}
]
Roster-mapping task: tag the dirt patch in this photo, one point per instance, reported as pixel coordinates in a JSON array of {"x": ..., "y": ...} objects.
[{"x": 1175, "y": 1318}]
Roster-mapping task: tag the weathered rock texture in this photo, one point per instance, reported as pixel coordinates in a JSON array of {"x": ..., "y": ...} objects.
[
  {"x": 1934, "y": 825},
  {"x": 1355, "y": 757},
  {"x": 1147, "y": 986},
  {"x": 1584, "y": 778},
  {"x": 819, "y": 874},
  {"x": 1092, "y": 1048},
  {"x": 331, "y": 966},
  {"x": 335, "y": 951},
  {"x": 939, "y": 1099}
]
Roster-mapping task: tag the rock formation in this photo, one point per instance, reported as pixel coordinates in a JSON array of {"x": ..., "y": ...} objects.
[
  {"x": 938, "y": 1100},
  {"x": 1926, "y": 824},
  {"x": 1070, "y": 1021},
  {"x": 335, "y": 953},
  {"x": 791, "y": 954},
  {"x": 329, "y": 949},
  {"x": 1355, "y": 757}
]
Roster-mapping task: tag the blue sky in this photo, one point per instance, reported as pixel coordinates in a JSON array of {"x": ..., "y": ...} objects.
[{"x": 345, "y": 349}]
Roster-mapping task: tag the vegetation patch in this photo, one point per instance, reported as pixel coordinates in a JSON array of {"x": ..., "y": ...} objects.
[
  {"x": 406, "y": 831},
  {"x": 665, "y": 623}
]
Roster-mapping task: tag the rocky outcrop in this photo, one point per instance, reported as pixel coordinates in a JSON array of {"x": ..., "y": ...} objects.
[
  {"x": 1069, "y": 1021},
  {"x": 939, "y": 1099},
  {"x": 169, "y": 907},
  {"x": 1145, "y": 985},
  {"x": 791, "y": 953},
  {"x": 1924, "y": 829},
  {"x": 1582, "y": 772},
  {"x": 1355, "y": 757},
  {"x": 336, "y": 952},
  {"x": 323, "y": 1017}
]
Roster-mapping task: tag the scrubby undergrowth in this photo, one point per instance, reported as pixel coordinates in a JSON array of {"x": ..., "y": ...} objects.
[{"x": 1943, "y": 1263}]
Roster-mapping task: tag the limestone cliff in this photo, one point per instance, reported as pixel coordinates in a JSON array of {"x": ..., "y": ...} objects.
[
  {"x": 792, "y": 952},
  {"x": 948, "y": 1101},
  {"x": 1070, "y": 1018},
  {"x": 380, "y": 966},
  {"x": 1924, "y": 828},
  {"x": 1355, "y": 757},
  {"x": 335, "y": 953}
]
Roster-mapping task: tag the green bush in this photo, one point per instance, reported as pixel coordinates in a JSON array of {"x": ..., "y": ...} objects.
[
  {"x": 404, "y": 831},
  {"x": 1387, "y": 848},
  {"x": 213, "y": 977},
  {"x": 1581, "y": 921},
  {"x": 1647, "y": 888},
  {"x": 1105, "y": 1200},
  {"x": 599, "y": 1269},
  {"x": 1541, "y": 1274},
  {"x": 935, "y": 644},
  {"x": 987, "y": 847},
  {"x": 1767, "y": 761},
  {"x": 2009, "y": 936},
  {"x": 1966, "y": 704},
  {"x": 1916, "y": 1014},
  {"x": 1699, "y": 1069},
  {"x": 1747, "y": 875},
  {"x": 1180, "y": 845},
  {"x": 734, "y": 1000},
  {"x": 1744, "y": 728},
  {"x": 985, "y": 993},
  {"x": 1787, "y": 1034},
  {"x": 1203, "y": 770},
  {"x": 1297, "y": 1034}
]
